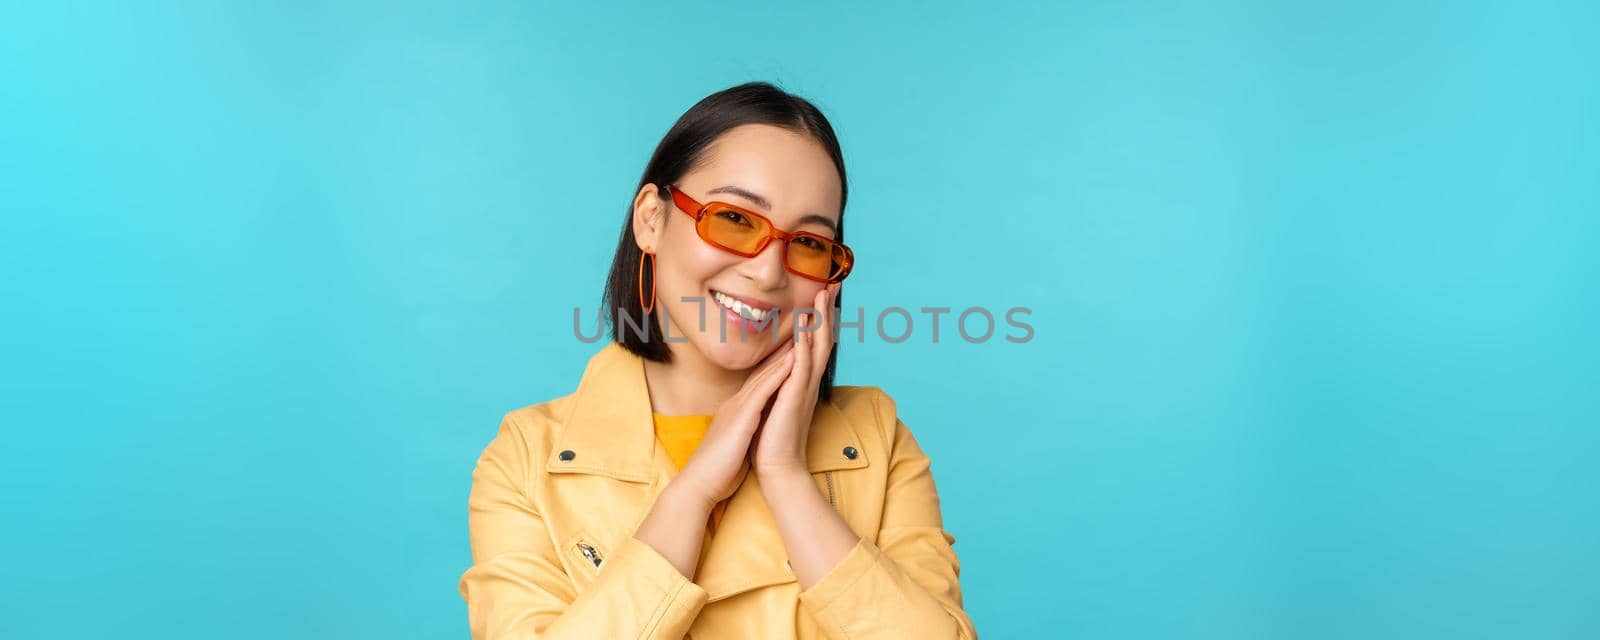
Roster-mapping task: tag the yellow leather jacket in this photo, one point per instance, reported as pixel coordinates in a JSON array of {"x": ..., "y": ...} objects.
[{"x": 558, "y": 493}]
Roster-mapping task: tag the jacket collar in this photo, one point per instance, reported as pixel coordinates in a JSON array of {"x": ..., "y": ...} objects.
[{"x": 610, "y": 431}]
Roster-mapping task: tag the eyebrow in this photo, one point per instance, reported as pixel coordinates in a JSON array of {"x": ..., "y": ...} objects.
[{"x": 767, "y": 205}]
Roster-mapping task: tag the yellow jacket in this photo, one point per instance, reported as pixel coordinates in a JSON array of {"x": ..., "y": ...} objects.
[{"x": 554, "y": 554}]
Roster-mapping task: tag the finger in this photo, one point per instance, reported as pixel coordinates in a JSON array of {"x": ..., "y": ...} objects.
[
  {"x": 758, "y": 388},
  {"x": 773, "y": 362},
  {"x": 768, "y": 367},
  {"x": 803, "y": 364},
  {"x": 763, "y": 388},
  {"x": 762, "y": 401},
  {"x": 822, "y": 338},
  {"x": 805, "y": 321},
  {"x": 833, "y": 321},
  {"x": 772, "y": 358},
  {"x": 751, "y": 400}
]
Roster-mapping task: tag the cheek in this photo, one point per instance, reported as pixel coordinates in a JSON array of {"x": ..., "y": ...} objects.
[
  {"x": 688, "y": 269},
  {"x": 805, "y": 294},
  {"x": 801, "y": 297},
  {"x": 685, "y": 258}
]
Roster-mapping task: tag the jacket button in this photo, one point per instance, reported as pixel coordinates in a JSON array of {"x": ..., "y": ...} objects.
[
  {"x": 850, "y": 452},
  {"x": 567, "y": 455}
]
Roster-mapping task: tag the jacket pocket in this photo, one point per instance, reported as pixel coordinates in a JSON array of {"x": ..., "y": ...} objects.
[{"x": 587, "y": 553}]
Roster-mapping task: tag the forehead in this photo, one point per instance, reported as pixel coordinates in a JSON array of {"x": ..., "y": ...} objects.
[{"x": 790, "y": 170}]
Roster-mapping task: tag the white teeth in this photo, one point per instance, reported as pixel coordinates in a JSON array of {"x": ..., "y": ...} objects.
[{"x": 746, "y": 311}]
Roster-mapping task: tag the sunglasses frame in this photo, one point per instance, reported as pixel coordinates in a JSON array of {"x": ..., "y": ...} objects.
[{"x": 691, "y": 207}]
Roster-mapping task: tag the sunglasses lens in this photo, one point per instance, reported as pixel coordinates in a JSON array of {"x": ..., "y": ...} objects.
[
  {"x": 733, "y": 230},
  {"x": 819, "y": 258},
  {"x": 811, "y": 256}
]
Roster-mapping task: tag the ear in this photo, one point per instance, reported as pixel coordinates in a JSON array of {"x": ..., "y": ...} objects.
[{"x": 649, "y": 216}]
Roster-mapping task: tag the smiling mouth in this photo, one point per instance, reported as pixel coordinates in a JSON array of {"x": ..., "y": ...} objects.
[{"x": 750, "y": 313}]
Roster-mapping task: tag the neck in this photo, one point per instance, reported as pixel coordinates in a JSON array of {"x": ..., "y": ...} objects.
[{"x": 690, "y": 384}]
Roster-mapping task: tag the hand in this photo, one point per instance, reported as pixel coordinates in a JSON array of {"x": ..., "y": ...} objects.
[
  {"x": 781, "y": 442},
  {"x": 719, "y": 463}
]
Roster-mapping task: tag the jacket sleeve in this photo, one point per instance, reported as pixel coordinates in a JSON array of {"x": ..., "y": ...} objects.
[
  {"x": 906, "y": 584},
  {"x": 518, "y": 589}
]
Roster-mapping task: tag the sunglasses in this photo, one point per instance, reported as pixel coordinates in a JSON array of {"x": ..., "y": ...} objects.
[{"x": 743, "y": 232}]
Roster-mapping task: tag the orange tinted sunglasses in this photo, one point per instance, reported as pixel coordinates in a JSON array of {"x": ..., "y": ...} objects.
[{"x": 743, "y": 232}]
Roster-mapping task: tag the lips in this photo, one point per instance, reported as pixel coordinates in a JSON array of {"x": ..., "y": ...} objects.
[
  {"x": 753, "y": 303},
  {"x": 742, "y": 307}
]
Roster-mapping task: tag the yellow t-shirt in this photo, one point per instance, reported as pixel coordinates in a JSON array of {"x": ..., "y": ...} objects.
[{"x": 680, "y": 435}]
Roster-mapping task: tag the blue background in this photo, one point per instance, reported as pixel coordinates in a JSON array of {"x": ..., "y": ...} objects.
[{"x": 1314, "y": 293}]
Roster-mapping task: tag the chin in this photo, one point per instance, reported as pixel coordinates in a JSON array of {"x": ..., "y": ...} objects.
[{"x": 734, "y": 355}]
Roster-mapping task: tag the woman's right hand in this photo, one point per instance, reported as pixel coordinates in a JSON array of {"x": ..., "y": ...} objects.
[{"x": 717, "y": 466}]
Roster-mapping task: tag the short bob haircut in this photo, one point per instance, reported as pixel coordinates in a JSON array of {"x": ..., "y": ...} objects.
[{"x": 681, "y": 150}]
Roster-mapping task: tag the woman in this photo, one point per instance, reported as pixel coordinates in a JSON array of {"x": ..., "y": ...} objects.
[{"x": 706, "y": 480}]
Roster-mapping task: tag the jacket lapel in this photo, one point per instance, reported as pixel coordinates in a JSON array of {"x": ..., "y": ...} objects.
[{"x": 610, "y": 433}]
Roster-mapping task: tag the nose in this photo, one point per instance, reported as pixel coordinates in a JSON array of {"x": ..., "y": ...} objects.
[{"x": 765, "y": 269}]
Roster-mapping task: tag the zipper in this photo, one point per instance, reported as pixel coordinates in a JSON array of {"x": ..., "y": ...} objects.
[
  {"x": 828, "y": 476},
  {"x": 590, "y": 553}
]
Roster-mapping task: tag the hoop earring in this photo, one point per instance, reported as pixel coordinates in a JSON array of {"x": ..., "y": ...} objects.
[{"x": 652, "y": 305}]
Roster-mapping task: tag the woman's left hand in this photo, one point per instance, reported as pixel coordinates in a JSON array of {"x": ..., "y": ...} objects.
[{"x": 781, "y": 442}]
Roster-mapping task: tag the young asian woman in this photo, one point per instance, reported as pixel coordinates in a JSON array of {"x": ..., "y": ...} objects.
[{"x": 707, "y": 479}]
